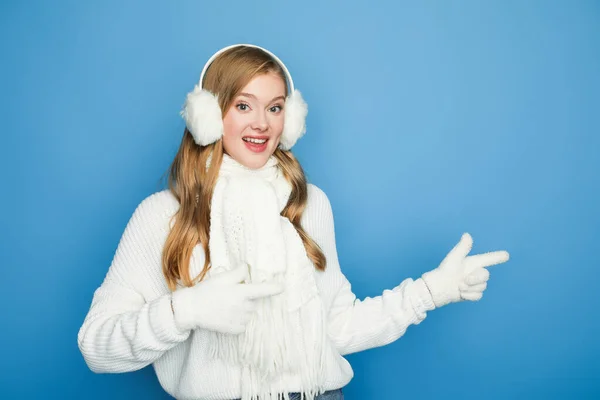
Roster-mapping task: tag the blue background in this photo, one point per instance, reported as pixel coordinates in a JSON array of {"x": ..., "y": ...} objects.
[{"x": 427, "y": 120}]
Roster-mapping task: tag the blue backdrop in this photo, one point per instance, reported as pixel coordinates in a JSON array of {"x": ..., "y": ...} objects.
[{"x": 427, "y": 120}]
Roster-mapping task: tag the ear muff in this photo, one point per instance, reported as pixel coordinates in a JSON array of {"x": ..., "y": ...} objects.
[{"x": 204, "y": 120}]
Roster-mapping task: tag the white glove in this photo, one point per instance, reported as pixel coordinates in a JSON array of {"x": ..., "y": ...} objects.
[
  {"x": 222, "y": 303},
  {"x": 460, "y": 277}
]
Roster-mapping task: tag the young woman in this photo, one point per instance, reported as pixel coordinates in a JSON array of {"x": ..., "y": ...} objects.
[{"x": 229, "y": 282}]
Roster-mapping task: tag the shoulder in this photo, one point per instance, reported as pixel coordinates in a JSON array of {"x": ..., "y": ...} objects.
[
  {"x": 317, "y": 201},
  {"x": 136, "y": 264},
  {"x": 317, "y": 217},
  {"x": 315, "y": 191},
  {"x": 155, "y": 211},
  {"x": 158, "y": 204},
  {"x": 316, "y": 195}
]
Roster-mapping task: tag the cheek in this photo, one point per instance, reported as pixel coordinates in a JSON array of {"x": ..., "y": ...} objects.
[
  {"x": 232, "y": 125},
  {"x": 277, "y": 124}
]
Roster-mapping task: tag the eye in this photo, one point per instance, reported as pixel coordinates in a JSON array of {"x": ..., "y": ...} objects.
[
  {"x": 242, "y": 106},
  {"x": 275, "y": 109}
]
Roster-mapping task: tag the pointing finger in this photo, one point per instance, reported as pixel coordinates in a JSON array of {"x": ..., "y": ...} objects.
[{"x": 486, "y": 259}]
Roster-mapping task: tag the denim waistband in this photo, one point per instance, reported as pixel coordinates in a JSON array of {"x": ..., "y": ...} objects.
[{"x": 335, "y": 394}]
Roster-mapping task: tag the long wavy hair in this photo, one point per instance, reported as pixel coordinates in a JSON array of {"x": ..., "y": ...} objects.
[{"x": 188, "y": 179}]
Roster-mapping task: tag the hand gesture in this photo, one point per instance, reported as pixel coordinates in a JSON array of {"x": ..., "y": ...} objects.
[
  {"x": 459, "y": 276},
  {"x": 223, "y": 303}
]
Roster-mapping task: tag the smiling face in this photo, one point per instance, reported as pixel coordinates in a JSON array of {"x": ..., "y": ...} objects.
[{"x": 254, "y": 122}]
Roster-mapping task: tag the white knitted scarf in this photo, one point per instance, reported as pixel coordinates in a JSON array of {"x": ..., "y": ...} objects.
[{"x": 288, "y": 332}]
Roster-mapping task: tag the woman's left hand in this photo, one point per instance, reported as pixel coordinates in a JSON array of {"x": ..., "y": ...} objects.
[{"x": 461, "y": 277}]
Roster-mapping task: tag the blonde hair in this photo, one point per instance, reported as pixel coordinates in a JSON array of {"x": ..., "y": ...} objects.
[{"x": 228, "y": 74}]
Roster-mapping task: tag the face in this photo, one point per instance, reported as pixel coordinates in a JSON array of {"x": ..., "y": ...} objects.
[{"x": 254, "y": 122}]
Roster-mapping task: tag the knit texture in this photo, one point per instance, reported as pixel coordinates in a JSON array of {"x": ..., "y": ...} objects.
[
  {"x": 246, "y": 227},
  {"x": 130, "y": 324}
]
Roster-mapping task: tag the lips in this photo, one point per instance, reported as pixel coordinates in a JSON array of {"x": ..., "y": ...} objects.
[
  {"x": 255, "y": 147},
  {"x": 255, "y": 137}
]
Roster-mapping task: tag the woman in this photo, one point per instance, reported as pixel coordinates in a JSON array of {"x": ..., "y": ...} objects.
[{"x": 229, "y": 282}]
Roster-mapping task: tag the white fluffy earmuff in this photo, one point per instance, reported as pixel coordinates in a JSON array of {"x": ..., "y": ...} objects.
[{"x": 204, "y": 119}]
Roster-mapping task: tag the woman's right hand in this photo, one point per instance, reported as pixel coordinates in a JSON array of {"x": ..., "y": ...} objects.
[{"x": 222, "y": 303}]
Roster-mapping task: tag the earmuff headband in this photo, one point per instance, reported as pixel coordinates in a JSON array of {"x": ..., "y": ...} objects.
[{"x": 224, "y": 49}]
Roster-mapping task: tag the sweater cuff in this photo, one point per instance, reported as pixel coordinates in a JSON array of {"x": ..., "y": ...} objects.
[
  {"x": 423, "y": 301},
  {"x": 163, "y": 321}
]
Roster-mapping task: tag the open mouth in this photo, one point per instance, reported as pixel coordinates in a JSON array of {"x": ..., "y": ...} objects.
[{"x": 256, "y": 145}]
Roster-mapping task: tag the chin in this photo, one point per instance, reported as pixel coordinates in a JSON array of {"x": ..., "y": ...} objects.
[
  {"x": 253, "y": 163},
  {"x": 256, "y": 160}
]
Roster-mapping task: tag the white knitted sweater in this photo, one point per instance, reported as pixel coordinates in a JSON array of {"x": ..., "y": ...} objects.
[{"x": 130, "y": 323}]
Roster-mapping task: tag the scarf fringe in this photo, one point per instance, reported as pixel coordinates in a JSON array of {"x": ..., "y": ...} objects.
[{"x": 267, "y": 349}]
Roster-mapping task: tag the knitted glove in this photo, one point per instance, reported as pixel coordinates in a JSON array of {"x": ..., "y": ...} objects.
[
  {"x": 460, "y": 277},
  {"x": 223, "y": 303}
]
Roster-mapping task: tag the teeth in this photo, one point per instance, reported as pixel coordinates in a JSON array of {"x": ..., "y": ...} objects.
[{"x": 252, "y": 140}]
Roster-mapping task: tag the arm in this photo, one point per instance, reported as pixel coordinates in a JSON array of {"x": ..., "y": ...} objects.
[
  {"x": 356, "y": 325},
  {"x": 122, "y": 332}
]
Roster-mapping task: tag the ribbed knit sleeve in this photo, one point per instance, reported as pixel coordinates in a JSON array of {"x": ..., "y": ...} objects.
[
  {"x": 353, "y": 324},
  {"x": 122, "y": 330}
]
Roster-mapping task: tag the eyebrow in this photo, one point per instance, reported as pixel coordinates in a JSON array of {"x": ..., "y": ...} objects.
[{"x": 254, "y": 97}]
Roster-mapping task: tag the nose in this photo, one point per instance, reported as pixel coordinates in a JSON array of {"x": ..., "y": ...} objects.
[{"x": 260, "y": 122}]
